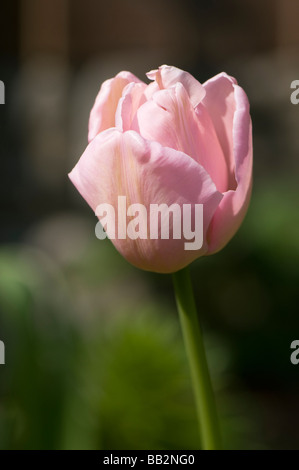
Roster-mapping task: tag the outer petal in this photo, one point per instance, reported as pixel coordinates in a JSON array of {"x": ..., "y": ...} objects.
[
  {"x": 102, "y": 115},
  {"x": 167, "y": 77},
  {"x": 236, "y": 134},
  {"x": 220, "y": 104},
  {"x": 124, "y": 164},
  {"x": 170, "y": 119}
]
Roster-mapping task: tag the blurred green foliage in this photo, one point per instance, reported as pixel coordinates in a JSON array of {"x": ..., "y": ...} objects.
[{"x": 94, "y": 354}]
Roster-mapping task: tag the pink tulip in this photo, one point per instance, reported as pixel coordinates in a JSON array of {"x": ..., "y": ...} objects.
[{"x": 173, "y": 141}]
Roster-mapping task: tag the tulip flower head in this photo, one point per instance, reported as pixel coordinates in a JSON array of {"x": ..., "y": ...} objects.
[{"x": 168, "y": 167}]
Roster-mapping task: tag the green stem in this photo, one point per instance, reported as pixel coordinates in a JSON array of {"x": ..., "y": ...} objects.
[{"x": 204, "y": 396}]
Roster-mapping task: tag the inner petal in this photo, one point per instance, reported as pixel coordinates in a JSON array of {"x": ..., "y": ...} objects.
[
  {"x": 132, "y": 98},
  {"x": 102, "y": 115},
  {"x": 168, "y": 76},
  {"x": 169, "y": 118}
]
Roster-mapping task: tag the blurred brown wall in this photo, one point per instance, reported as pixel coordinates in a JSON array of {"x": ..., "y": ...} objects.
[{"x": 83, "y": 28}]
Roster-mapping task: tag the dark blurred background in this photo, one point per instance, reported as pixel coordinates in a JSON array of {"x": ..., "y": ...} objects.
[{"x": 94, "y": 354}]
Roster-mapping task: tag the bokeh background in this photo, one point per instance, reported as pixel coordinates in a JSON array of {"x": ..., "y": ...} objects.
[{"x": 94, "y": 354}]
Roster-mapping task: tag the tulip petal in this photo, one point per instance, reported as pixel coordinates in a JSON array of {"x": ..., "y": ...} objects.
[
  {"x": 169, "y": 118},
  {"x": 102, "y": 115},
  {"x": 124, "y": 164},
  {"x": 132, "y": 97},
  {"x": 167, "y": 76},
  {"x": 220, "y": 104},
  {"x": 234, "y": 204}
]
